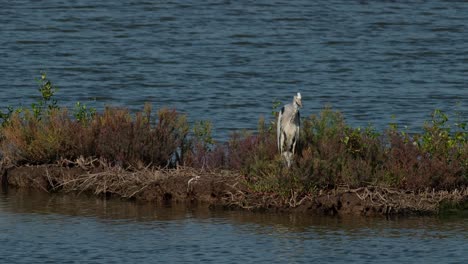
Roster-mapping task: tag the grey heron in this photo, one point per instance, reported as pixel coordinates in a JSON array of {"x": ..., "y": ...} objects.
[{"x": 288, "y": 128}]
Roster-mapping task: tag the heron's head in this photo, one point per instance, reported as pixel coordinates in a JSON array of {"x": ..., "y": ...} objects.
[{"x": 298, "y": 100}]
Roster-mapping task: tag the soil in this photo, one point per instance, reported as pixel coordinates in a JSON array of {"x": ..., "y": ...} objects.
[{"x": 222, "y": 189}]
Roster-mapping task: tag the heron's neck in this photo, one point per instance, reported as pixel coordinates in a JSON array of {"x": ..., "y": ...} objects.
[
  {"x": 295, "y": 107},
  {"x": 294, "y": 113}
]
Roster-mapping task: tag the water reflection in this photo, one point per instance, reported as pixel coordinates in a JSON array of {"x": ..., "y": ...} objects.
[
  {"x": 70, "y": 227},
  {"x": 21, "y": 201}
]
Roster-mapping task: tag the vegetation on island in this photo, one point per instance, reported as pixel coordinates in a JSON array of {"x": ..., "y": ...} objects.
[{"x": 331, "y": 153}]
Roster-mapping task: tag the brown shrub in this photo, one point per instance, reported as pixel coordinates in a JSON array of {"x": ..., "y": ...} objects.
[
  {"x": 27, "y": 139},
  {"x": 199, "y": 156},
  {"x": 411, "y": 167},
  {"x": 245, "y": 151},
  {"x": 113, "y": 135},
  {"x": 333, "y": 154},
  {"x": 329, "y": 153}
]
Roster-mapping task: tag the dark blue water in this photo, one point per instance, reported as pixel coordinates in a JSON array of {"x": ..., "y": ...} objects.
[
  {"x": 42, "y": 228},
  {"x": 227, "y": 61}
]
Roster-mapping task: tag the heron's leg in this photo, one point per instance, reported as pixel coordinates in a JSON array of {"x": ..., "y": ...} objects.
[
  {"x": 288, "y": 157},
  {"x": 294, "y": 146},
  {"x": 283, "y": 136}
]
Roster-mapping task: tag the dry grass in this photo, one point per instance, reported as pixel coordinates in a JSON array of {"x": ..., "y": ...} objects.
[
  {"x": 228, "y": 189},
  {"x": 101, "y": 178},
  {"x": 370, "y": 200},
  {"x": 396, "y": 201}
]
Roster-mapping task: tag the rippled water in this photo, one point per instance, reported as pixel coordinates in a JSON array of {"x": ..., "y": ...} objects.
[
  {"x": 36, "y": 227},
  {"x": 228, "y": 60}
]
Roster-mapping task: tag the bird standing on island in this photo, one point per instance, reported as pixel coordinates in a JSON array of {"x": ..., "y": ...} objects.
[{"x": 288, "y": 128}]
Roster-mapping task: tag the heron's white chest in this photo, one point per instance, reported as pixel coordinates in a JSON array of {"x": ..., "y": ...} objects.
[{"x": 290, "y": 129}]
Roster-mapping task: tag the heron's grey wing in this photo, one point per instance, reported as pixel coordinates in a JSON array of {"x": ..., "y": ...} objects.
[
  {"x": 298, "y": 122},
  {"x": 297, "y": 128},
  {"x": 279, "y": 132}
]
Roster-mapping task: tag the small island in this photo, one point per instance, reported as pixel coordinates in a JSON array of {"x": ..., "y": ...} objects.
[{"x": 160, "y": 157}]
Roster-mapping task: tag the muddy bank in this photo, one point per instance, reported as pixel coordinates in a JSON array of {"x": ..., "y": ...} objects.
[{"x": 223, "y": 189}]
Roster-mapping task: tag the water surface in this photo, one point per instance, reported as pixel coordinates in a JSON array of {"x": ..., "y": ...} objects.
[
  {"x": 36, "y": 227},
  {"x": 227, "y": 61}
]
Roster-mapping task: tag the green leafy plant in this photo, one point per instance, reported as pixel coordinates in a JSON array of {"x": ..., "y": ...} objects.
[
  {"x": 6, "y": 116},
  {"x": 442, "y": 136},
  {"x": 83, "y": 113},
  {"x": 202, "y": 134},
  {"x": 47, "y": 102}
]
